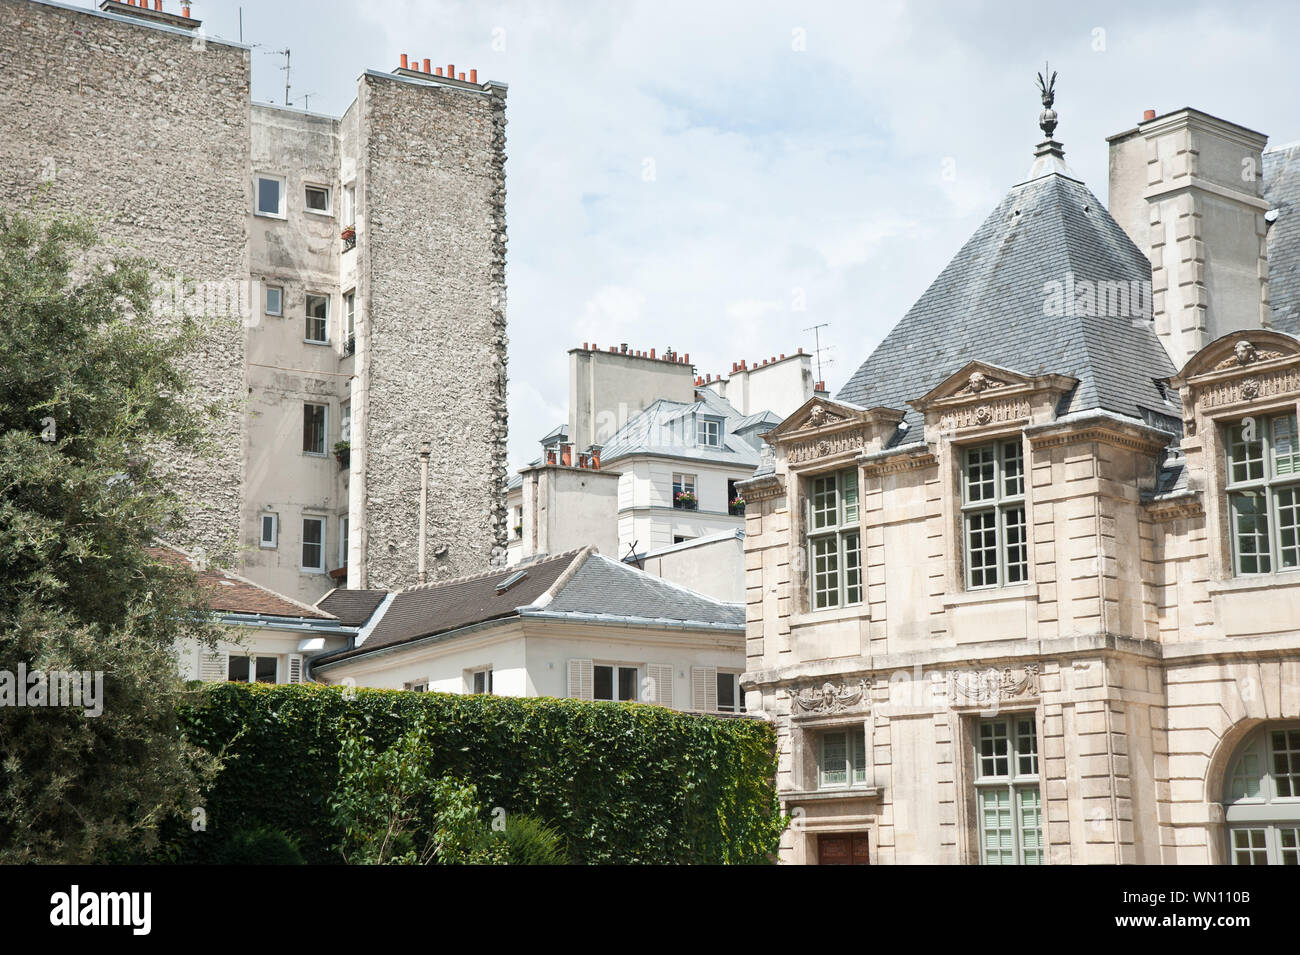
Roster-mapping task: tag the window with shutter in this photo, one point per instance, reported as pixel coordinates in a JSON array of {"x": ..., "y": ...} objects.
[
  {"x": 295, "y": 668},
  {"x": 661, "y": 683},
  {"x": 212, "y": 665},
  {"x": 580, "y": 680},
  {"x": 704, "y": 689}
]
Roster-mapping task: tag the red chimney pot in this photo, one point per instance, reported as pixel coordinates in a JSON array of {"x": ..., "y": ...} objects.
[
  {"x": 438, "y": 71},
  {"x": 404, "y": 66},
  {"x": 451, "y": 70},
  {"x": 461, "y": 77},
  {"x": 426, "y": 65},
  {"x": 1148, "y": 115},
  {"x": 473, "y": 76}
]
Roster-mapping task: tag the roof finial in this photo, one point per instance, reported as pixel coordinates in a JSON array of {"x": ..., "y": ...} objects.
[{"x": 1047, "y": 87}]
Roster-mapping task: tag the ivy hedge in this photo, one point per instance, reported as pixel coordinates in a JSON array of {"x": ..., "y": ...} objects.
[{"x": 622, "y": 782}]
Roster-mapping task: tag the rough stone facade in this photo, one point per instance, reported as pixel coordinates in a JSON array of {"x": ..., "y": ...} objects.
[
  {"x": 147, "y": 130},
  {"x": 151, "y": 127}
]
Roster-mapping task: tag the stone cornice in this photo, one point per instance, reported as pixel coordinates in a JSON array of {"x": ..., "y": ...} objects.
[
  {"x": 1163, "y": 510},
  {"x": 892, "y": 462},
  {"x": 762, "y": 488},
  {"x": 1115, "y": 433}
]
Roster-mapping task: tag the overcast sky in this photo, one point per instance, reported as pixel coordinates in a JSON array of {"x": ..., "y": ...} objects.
[{"x": 685, "y": 174}]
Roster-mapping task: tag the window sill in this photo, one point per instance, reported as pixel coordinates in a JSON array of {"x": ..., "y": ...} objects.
[
  {"x": 318, "y": 212},
  {"x": 314, "y": 571},
  {"x": 312, "y": 341},
  {"x": 271, "y": 215},
  {"x": 831, "y": 615},
  {"x": 1250, "y": 582},
  {"x": 821, "y": 795},
  {"x": 991, "y": 595}
]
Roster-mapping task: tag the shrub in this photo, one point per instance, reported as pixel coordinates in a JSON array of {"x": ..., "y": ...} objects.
[
  {"x": 260, "y": 847},
  {"x": 618, "y": 782},
  {"x": 530, "y": 841}
]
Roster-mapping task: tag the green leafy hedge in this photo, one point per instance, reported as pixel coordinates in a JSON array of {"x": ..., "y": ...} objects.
[{"x": 622, "y": 782}]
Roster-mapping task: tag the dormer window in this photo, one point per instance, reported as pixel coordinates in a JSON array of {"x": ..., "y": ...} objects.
[
  {"x": 709, "y": 432},
  {"x": 1263, "y": 480}
]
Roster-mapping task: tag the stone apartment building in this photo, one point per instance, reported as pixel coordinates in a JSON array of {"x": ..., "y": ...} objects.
[
  {"x": 1028, "y": 589},
  {"x": 364, "y": 256}
]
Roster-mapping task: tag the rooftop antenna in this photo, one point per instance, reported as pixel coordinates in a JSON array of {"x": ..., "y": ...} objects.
[
  {"x": 284, "y": 53},
  {"x": 817, "y": 352},
  {"x": 306, "y": 99}
]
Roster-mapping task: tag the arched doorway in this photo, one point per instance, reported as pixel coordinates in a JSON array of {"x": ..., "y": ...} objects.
[{"x": 1261, "y": 797}]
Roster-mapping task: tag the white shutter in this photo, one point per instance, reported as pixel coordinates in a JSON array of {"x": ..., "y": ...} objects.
[
  {"x": 214, "y": 665},
  {"x": 295, "y": 668},
  {"x": 581, "y": 683},
  {"x": 661, "y": 683},
  {"x": 704, "y": 689}
]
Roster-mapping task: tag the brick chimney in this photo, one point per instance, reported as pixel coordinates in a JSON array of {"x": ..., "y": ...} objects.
[{"x": 153, "y": 12}]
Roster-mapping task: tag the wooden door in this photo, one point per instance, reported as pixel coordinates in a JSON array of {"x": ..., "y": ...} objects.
[{"x": 843, "y": 849}]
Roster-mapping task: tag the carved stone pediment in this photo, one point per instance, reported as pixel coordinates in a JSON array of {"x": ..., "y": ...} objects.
[
  {"x": 1256, "y": 353},
  {"x": 822, "y": 428},
  {"x": 982, "y": 395},
  {"x": 993, "y": 685},
  {"x": 829, "y": 698}
]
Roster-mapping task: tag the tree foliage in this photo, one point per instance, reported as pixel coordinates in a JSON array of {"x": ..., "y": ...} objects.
[{"x": 92, "y": 397}]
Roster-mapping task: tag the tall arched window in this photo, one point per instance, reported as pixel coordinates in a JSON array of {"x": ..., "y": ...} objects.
[{"x": 1261, "y": 798}]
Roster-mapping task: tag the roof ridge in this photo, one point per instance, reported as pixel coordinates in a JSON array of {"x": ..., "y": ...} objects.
[
  {"x": 244, "y": 580},
  {"x": 665, "y": 581},
  {"x": 415, "y": 588},
  {"x": 557, "y": 586}
]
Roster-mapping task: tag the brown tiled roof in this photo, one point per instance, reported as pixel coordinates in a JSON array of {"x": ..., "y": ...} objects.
[
  {"x": 230, "y": 593},
  {"x": 430, "y": 609},
  {"x": 352, "y": 607}
]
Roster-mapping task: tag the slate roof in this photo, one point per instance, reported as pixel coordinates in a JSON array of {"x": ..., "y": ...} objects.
[
  {"x": 604, "y": 587},
  {"x": 664, "y": 428},
  {"x": 230, "y": 593},
  {"x": 598, "y": 589},
  {"x": 988, "y": 304},
  {"x": 352, "y": 607},
  {"x": 1282, "y": 190}
]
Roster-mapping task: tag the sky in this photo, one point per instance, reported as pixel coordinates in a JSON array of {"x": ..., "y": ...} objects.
[{"x": 718, "y": 177}]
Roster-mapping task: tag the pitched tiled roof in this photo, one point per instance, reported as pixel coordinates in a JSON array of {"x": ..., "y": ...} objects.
[
  {"x": 352, "y": 607},
  {"x": 431, "y": 609},
  {"x": 988, "y": 304},
  {"x": 604, "y": 587},
  {"x": 230, "y": 593},
  {"x": 1282, "y": 190}
]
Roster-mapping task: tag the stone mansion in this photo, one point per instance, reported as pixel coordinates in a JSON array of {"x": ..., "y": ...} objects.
[{"x": 1028, "y": 589}]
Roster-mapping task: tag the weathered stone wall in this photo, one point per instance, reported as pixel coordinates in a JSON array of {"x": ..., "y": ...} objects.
[
  {"x": 435, "y": 343},
  {"x": 148, "y": 130}
]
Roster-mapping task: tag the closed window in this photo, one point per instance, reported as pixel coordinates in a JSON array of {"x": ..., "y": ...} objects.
[
  {"x": 350, "y": 320},
  {"x": 1009, "y": 802},
  {"x": 684, "y": 492},
  {"x": 270, "y": 530},
  {"x": 842, "y": 758},
  {"x": 313, "y": 428},
  {"x": 317, "y": 200},
  {"x": 270, "y": 196},
  {"x": 834, "y": 540},
  {"x": 313, "y": 544},
  {"x": 274, "y": 300},
  {"x": 1262, "y": 798},
  {"x": 318, "y": 319},
  {"x": 994, "y": 540},
  {"x": 610, "y": 682},
  {"x": 1263, "y": 471},
  {"x": 481, "y": 682},
  {"x": 343, "y": 541},
  {"x": 258, "y": 669},
  {"x": 709, "y": 432},
  {"x": 349, "y": 205}
]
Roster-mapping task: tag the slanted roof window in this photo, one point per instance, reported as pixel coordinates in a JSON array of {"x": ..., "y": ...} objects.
[{"x": 510, "y": 581}]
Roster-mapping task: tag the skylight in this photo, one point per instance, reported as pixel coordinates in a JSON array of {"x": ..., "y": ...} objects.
[{"x": 510, "y": 581}]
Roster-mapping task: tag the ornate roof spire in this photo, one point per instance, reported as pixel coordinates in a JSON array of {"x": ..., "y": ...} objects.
[{"x": 1049, "y": 155}]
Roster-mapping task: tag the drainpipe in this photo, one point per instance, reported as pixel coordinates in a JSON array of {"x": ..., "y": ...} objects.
[{"x": 424, "y": 505}]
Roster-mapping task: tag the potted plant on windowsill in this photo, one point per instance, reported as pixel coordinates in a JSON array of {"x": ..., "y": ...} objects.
[
  {"x": 349, "y": 237},
  {"x": 737, "y": 506},
  {"x": 685, "y": 500},
  {"x": 343, "y": 453}
]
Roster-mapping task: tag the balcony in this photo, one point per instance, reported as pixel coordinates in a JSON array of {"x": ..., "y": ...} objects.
[{"x": 349, "y": 237}]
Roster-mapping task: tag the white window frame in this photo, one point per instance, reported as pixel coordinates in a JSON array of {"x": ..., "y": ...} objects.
[
  {"x": 266, "y": 300},
  {"x": 252, "y": 659},
  {"x": 349, "y": 321},
  {"x": 328, "y": 211},
  {"x": 737, "y": 693},
  {"x": 282, "y": 212},
  {"x": 309, "y": 318},
  {"x": 1273, "y": 486},
  {"x": 471, "y": 678},
  {"x": 1011, "y": 558},
  {"x": 834, "y": 547},
  {"x": 854, "y": 764},
  {"x": 417, "y": 686},
  {"x": 343, "y": 540},
  {"x": 325, "y": 429},
  {"x": 272, "y": 542},
  {"x": 1014, "y": 783},
  {"x": 708, "y": 432},
  {"x": 350, "y": 204},
  {"x": 617, "y": 670},
  {"x": 685, "y": 482},
  {"x": 302, "y": 542}
]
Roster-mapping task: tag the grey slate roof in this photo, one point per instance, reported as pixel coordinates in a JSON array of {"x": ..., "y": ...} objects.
[
  {"x": 352, "y": 607},
  {"x": 665, "y": 428},
  {"x": 604, "y": 587},
  {"x": 599, "y": 589},
  {"x": 1282, "y": 190},
  {"x": 988, "y": 304}
]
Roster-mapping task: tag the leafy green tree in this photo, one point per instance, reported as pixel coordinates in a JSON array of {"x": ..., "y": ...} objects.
[{"x": 92, "y": 400}]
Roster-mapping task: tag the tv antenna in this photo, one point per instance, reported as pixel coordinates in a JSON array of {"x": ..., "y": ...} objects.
[
  {"x": 817, "y": 352},
  {"x": 284, "y": 53}
]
